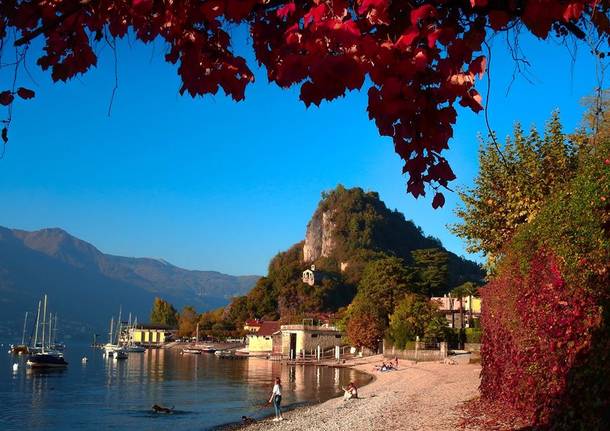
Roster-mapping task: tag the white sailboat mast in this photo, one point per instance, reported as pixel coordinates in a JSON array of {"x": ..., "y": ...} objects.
[
  {"x": 118, "y": 329},
  {"x": 25, "y": 322},
  {"x": 44, "y": 321},
  {"x": 111, "y": 333},
  {"x": 36, "y": 330},
  {"x": 55, "y": 330},
  {"x": 50, "y": 343}
]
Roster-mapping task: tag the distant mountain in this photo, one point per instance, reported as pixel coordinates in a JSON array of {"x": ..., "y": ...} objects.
[{"x": 86, "y": 286}]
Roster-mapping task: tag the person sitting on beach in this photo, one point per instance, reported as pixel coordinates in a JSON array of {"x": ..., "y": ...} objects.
[
  {"x": 276, "y": 398},
  {"x": 350, "y": 392}
]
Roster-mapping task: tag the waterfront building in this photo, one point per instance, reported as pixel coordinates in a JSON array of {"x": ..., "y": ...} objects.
[
  {"x": 151, "y": 335},
  {"x": 260, "y": 342},
  {"x": 305, "y": 340}
]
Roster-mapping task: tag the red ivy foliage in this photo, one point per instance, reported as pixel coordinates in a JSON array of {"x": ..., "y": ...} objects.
[
  {"x": 537, "y": 327},
  {"x": 420, "y": 57}
]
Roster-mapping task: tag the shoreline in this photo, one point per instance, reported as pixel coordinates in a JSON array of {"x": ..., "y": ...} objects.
[{"x": 422, "y": 396}]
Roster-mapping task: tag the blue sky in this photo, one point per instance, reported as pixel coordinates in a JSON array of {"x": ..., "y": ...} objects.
[{"x": 211, "y": 184}]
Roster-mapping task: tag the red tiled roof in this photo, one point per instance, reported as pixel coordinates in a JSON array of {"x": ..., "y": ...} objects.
[
  {"x": 252, "y": 322},
  {"x": 268, "y": 327}
]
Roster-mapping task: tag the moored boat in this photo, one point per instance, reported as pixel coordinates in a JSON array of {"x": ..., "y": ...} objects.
[
  {"x": 229, "y": 354},
  {"x": 19, "y": 349},
  {"x": 192, "y": 351},
  {"x": 134, "y": 348},
  {"x": 47, "y": 360}
]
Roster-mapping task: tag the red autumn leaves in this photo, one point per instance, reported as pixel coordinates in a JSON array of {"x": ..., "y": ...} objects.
[
  {"x": 417, "y": 58},
  {"x": 536, "y": 326},
  {"x": 7, "y": 97}
]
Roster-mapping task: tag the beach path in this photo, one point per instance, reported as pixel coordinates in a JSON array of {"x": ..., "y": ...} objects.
[{"x": 423, "y": 396}]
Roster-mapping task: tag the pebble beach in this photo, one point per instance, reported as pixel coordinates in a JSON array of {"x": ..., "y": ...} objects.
[{"x": 422, "y": 396}]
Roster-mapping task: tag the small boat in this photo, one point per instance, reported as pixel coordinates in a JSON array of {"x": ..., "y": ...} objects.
[
  {"x": 208, "y": 349},
  {"x": 109, "y": 349},
  {"x": 134, "y": 348},
  {"x": 229, "y": 354},
  {"x": 192, "y": 351},
  {"x": 19, "y": 349}
]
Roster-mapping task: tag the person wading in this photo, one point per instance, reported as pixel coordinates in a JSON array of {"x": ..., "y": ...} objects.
[{"x": 276, "y": 398}]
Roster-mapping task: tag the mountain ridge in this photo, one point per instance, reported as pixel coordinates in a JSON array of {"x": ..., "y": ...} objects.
[{"x": 27, "y": 256}]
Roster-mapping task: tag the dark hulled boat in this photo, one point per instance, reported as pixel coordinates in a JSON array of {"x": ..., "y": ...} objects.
[{"x": 47, "y": 360}]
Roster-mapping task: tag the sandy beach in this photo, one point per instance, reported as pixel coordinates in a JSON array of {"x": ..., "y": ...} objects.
[{"x": 423, "y": 396}]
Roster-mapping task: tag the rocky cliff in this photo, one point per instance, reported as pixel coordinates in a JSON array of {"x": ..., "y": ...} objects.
[{"x": 319, "y": 238}]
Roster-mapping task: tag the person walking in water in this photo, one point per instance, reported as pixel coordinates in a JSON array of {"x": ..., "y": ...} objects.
[{"x": 276, "y": 398}]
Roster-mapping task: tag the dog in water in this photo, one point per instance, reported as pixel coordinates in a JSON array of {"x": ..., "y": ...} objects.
[
  {"x": 160, "y": 409},
  {"x": 247, "y": 421}
]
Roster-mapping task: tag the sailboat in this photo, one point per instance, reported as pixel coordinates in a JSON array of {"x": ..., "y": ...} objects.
[
  {"x": 130, "y": 346},
  {"x": 21, "y": 349},
  {"x": 54, "y": 345},
  {"x": 193, "y": 350},
  {"x": 113, "y": 348},
  {"x": 46, "y": 358},
  {"x": 109, "y": 347}
]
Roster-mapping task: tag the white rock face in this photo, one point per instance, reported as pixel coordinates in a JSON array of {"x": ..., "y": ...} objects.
[{"x": 319, "y": 237}]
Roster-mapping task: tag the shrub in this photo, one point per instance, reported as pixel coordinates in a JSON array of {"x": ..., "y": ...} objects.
[
  {"x": 546, "y": 350},
  {"x": 473, "y": 335}
]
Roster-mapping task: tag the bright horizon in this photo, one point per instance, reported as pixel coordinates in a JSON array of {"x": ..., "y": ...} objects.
[{"x": 212, "y": 184}]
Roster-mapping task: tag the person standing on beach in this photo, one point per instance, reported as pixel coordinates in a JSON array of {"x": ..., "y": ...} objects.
[{"x": 276, "y": 398}]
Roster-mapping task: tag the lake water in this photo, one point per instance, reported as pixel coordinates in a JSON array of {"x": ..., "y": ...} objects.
[{"x": 104, "y": 394}]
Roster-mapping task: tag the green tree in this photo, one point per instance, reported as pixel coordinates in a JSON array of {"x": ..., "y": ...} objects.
[
  {"x": 511, "y": 186},
  {"x": 384, "y": 282},
  {"x": 432, "y": 270},
  {"x": 187, "y": 322},
  {"x": 163, "y": 313},
  {"x": 416, "y": 316}
]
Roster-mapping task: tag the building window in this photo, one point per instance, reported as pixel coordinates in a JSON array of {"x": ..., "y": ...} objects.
[{"x": 314, "y": 335}]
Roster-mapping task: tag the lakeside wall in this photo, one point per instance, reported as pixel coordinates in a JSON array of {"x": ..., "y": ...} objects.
[{"x": 416, "y": 354}]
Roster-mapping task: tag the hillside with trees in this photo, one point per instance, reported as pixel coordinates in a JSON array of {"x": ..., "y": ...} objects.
[{"x": 360, "y": 249}]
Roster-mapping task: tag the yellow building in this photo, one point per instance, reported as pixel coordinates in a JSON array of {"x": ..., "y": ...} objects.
[
  {"x": 260, "y": 343},
  {"x": 475, "y": 305},
  {"x": 150, "y": 335}
]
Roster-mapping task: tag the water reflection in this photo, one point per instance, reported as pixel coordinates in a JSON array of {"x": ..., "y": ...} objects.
[{"x": 108, "y": 393}]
